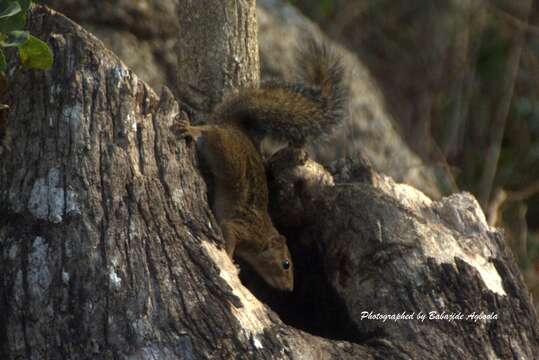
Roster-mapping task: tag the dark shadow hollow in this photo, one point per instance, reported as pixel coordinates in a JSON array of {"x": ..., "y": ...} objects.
[{"x": 313, "y": 306}]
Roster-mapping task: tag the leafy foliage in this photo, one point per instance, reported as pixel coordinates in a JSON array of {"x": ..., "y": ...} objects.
[{"x": 33, "y": 53}]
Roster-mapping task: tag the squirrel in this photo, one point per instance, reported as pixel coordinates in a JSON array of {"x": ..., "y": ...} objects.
[{"x": 229, "y": 147}]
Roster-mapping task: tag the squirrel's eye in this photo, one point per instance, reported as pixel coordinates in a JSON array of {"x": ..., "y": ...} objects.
[{"x": 286, "y": 264}]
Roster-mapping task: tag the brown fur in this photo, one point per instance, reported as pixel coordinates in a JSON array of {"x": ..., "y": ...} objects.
[
  {"x": 241, "y": 201},
  {"x": 292, "y": 112}
]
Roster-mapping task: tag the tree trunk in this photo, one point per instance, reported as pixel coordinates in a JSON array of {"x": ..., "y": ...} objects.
[
  {"x": 108, "y": 249},
  {"x": 217, "y": 50},
  {"x": 503, "y": 104}
]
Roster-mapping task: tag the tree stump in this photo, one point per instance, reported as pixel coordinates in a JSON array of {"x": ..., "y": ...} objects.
[{"x": 108, "y": 248}]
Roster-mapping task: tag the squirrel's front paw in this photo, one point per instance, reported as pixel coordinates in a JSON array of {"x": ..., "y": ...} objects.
[{"x": 180, "y": 128}]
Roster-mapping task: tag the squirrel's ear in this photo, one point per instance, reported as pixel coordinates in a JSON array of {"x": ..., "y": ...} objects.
[{"x": 277, "y": 240}]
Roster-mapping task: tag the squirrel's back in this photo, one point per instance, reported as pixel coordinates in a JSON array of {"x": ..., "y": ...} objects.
[{"x": 295, "y": 112}]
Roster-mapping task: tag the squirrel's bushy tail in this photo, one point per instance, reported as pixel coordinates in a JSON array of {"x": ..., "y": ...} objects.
[{"x": 295, "y": 112}]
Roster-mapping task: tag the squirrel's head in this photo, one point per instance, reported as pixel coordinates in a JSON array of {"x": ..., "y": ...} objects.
[{"x": 274, "y": 263}]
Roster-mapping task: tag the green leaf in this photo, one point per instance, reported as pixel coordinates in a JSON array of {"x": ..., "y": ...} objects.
[
  {"x": 3, "y": 62},
  {"x": 11, "y": 23},
  {"x": 15, "y": 38},
  {"x": 35, "y": 54},
  {"x": 10, "y": 9}
]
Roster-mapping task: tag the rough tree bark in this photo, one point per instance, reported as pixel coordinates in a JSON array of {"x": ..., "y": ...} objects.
[
  {"x": 386, "y": 248},
  {"x": 108, "y": 249},
  {"x": 217, "y": 50}
]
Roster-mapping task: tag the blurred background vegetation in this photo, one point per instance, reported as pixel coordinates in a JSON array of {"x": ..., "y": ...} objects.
[{"x": 461, "y": 78}]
